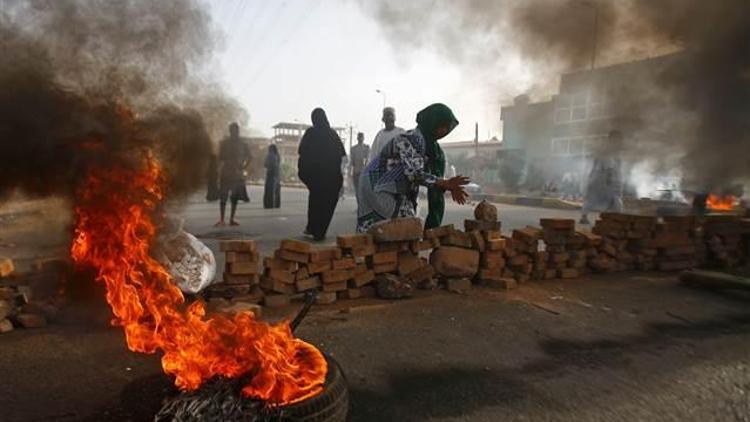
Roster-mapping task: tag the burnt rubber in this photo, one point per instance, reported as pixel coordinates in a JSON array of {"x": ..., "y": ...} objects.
[{"x": 331, "y": 405}]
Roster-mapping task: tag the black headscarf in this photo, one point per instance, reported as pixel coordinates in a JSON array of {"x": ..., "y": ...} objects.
[{"x": 320, "y": 152}]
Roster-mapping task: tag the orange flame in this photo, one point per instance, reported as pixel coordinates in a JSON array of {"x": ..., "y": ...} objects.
[
  {"x": 114, "y": 229},
  {"x": 720, "y": 203}
]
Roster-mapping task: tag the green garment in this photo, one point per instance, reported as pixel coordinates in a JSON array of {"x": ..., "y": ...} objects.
[
  {"x": 428, "y": 121},
  {"x": 435, "y": 196}
]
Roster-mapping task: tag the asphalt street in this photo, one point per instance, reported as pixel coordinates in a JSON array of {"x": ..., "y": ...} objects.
[{"x": 620, "y": 347}]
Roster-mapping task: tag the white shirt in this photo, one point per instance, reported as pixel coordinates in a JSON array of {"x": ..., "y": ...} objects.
[{"x": 381, "y": 139}]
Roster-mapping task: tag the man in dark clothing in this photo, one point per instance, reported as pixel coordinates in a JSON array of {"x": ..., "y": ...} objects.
[
  {"x": 234, "y": 155},
  {"x": 320, "y": 155}
]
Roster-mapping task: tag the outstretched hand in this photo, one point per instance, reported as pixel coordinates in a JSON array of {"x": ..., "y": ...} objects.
[{"x": 456, "y": 187}]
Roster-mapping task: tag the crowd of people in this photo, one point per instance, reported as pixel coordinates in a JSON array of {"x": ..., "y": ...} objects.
[{"x": 385, "y": 177}]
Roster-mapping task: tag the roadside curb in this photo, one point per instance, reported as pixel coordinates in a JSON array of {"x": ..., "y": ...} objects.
[{"x": 529, "y": 201}]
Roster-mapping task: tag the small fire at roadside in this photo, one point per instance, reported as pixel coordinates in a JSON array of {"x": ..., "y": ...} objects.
[
  {"x": 114, "y": 228},
  {"x": 721, "y": 203}
]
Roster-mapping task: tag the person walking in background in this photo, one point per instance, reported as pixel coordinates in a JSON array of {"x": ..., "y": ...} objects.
[
  {"x": 386, "y": 134},
  {"x": 605, "y": 183},
  {"x": 320, "y": 158},
  {"x": 234, "y": 155},
  {"x": 358, "y": 162},
  {"x": 272, "y": 191},
  {"x": 390, "y": 184}
]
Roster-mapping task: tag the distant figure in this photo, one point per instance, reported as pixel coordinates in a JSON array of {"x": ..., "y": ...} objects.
[
  {"x": 234, "y": 155},
  {"x": 320, "y": 157},
  {"x": 604, "y": 186},
  {"x": 386, "y": 134},
  {"x": 390, "y": 184},
  {"x": 359, "y": 158},
  {"x": 272, "y": 191}
]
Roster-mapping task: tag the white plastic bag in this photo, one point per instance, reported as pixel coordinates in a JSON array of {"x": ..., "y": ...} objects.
[{"x": 190, "y": 262}]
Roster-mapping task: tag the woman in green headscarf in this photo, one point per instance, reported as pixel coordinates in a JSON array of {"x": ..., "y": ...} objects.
[{"x": 389, "y": 186}]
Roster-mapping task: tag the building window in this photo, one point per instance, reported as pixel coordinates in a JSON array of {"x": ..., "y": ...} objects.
[{"x": 581, "y": 106}]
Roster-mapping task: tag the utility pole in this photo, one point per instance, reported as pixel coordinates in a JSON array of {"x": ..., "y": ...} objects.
[{"x": 351, "y": 130}]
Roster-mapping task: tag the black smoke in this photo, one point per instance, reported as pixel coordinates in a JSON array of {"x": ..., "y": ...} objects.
[
  {"x": 89, "y": 83},
  {"x": 706, "y": 130}
]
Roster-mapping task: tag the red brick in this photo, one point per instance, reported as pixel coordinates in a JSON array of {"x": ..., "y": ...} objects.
[
  {"x": 279, "y": 264},
  {"x": 407, "y": 263},
  {"x": 439, "y": 232},
  {"x": 307, "y": 284},
  {"x": 354, "y": 240},
  {"x": 319, "y": 267},
  {"x": 343, "y": 264},
  {"x": 477, "y": 241},
  {"x": 281, "y": 275},
  {"x": 397, "y": 230},
  {"x": 560, "y": 257},
  {"x": 293, "y": 256},
  {"x": 492, "y": 259},
  {"x": 240, "y": 279},
  {"x": 362, "y": 251},
  {"x": 420, "y": 246},
  {"x": 276, "y": 286},
  {"x": 518, "y": 260},
  {"x": 361, "y": 279},
  {"x": 389, "y": 267},
  {"x": 241, "y": 257},
  {"x": 384, "y": 258},
  {"x": 237, "y": 246},
  {"x": 242, "y": 268},
  {"x": 296, "y": 246},
  {"x": 459, "y": 239},
  {"x": 337, "y": 276},
  {"x": 325, "y": 254},
  {"x": 392, "y": 247},
  {"x": 496, "y": 244}
]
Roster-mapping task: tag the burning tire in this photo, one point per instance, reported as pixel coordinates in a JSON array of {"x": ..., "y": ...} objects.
[
  {"x": 220, "y": 400},
  {"x": 331, "y": 405}
]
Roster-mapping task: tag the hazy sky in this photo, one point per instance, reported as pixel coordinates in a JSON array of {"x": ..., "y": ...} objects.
[{"x": 282, "y": 58}]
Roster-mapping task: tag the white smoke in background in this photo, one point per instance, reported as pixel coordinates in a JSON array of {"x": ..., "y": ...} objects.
[{"x": 649, "y": 182}]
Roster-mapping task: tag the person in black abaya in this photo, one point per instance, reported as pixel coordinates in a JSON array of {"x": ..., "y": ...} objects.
[
  {"x": 320, "y": 155},
  {"x": 272, "y": 191}
]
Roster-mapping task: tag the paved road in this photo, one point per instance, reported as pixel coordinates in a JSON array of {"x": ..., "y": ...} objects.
[
  {"x": 625, "y": 347},
  {"x": 268, "y": 227}
]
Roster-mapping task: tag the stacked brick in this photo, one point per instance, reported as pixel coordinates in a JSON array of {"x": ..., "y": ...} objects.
[
  {"x": 401, "y": 250},
  {"x": 631, "y": 242},
  {"x": 565, "y": 250},
  {"x": 241, "y": 272},
  {"x": 297, "y": 267},
  {"x": 725, "y": 239}
]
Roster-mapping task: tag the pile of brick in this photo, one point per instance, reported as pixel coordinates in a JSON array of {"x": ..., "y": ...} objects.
[
  {"x": 478, "y": 253},
  {"x": 17, "y": 306},
  {"x": 566, "y": 251},
  {"x": 631, "y": 242},
  {"x": 726, "y": 239},
  {"x": 240, "y": 279}
]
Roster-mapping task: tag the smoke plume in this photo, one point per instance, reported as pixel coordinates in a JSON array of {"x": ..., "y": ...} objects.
[
  {"x": 702, "y": 124},
  {"x": 88, "y": 83}
]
